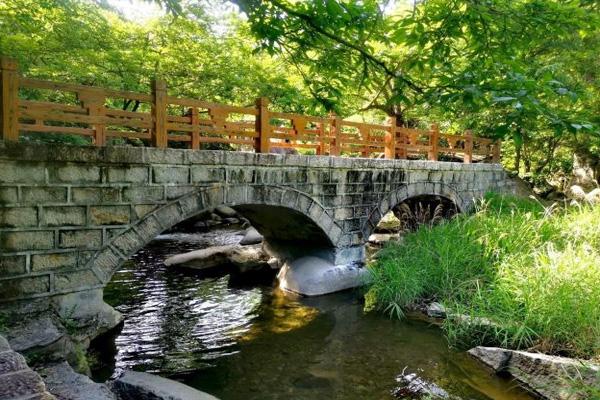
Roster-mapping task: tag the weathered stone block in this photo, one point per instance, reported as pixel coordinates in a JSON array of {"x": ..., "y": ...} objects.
[
  {"x": 14, "y": 217},
  {"x": 75, "y": 173},
  {"x": 75, "y": 280},
  {"x": 128, "y": 242},
  {"x": 44, "y": 262},
  {"x": 44, "y": 194},
  {"x": 171, "y": 174},
  {"x": 31, "y": 240},
  {"x": 12, "y": 265},
  {"x": 140, "y": 210},
  {"x": 128, "y": 174},
  {"x": 175, "y": 192},
  {"x": 235, "y": 195},
  {"x": 109, "y": 215},
  {"x": 22, "y": 172},
  {"x": 203, "y": 174},
  {"x": 21, "y": 287},
  {"x": 63, "y": 216},
  {"x": 144, "y": 194},
  {"x": 164, "y": 156},
  {"x": 8, "y": 195},
  {"x": 149, "y": 227},
  {"x": 84, "y": 239},
  {"x": 88, "y": 195},
  {"x": 213, "y": 196},
  {"x": 169, "y": 215},
  {"x": 106, "y": 262}
]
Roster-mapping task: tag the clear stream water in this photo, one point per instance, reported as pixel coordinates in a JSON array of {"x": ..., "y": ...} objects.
[{"x": 241, "y": 338}]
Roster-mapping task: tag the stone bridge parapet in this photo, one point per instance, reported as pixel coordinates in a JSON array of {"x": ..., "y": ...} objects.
[{"x": 70, "y": 215}]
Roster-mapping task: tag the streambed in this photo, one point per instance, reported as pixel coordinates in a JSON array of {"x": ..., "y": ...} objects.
[{"x": 238, "y": 337}]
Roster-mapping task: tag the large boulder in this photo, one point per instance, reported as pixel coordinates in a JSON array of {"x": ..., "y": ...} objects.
[
  {"x": 66, "y": 384},
  {"x": 593, "y": 197},
  {"x": 548, "y": 377},
  {"x": 251, "y": 237},
  {"x": 576, "y": 192},
  {"x": 314, "y": 276},
  {"x": 133, "y": 385}
]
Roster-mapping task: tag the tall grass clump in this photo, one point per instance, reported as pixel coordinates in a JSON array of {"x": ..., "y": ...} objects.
[{"x": 513, "y": 273}]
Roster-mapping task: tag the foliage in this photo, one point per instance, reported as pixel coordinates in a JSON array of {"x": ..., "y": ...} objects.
[
  {"x": 513, "y": 274},
  {"x": 78, "y": 41}
]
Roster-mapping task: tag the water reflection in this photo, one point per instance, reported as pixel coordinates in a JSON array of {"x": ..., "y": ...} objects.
[{"x": 239, "y": 339}]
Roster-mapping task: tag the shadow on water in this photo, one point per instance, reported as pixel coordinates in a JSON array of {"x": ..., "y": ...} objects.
[{"x": 239, "y": 338}]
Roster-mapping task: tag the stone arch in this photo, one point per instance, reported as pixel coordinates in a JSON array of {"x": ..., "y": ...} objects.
[
  {"x": 412, "y": 190},
  {"x": 113, "y": 254}
]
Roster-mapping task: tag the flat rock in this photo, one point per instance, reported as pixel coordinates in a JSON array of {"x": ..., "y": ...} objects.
[
  {"x": 548, "y": 377},
  {"x": 251, "y": 237},
  {"x": 225, "y": 211},
  {"x": 382, "y": 238},
  {"x": 201, "y": 259},
  {"x": 133, "y": 385},
  {"x": 244, "y": 258},
  {"x": 66, "y": 384},
  {"x": 36, "y": 332}
]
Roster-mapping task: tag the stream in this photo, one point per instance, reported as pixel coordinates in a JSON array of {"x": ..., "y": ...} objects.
[{"x": 239, "y": 337}]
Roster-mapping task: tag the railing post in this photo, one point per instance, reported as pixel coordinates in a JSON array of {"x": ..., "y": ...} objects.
[
  {"x": 9, "y": 100},
  {"x": 434, "y": 142},
  {"x": 194, "y": 119},
  {"x": 496, "y": 151},
  {"x": 159, "y": 114},
  {"x": 335, "y": 135},
  {"x": 93, "y": 100},
  {"x": 468, "y": 157},
  {"x": 390, "y": 139},
  {"x": 402, "y": 151},
  {"x": 262, "y": 143}
]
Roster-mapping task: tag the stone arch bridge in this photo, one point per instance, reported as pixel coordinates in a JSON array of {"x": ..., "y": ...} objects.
[{"x": 69, "y": 215}]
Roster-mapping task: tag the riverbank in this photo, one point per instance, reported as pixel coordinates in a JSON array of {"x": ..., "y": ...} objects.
[{"x": 530, "y": 272}]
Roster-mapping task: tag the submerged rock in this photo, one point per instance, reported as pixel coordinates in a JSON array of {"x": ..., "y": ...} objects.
[
  {"x": 251, "y": 237},
  {"x": 548, "y": 377},
  {"x": 412, "y": 386},
  {"x": 66, "y": 384},
  {"x": 133, "y": 385},
  {"x": 244, "y": 258}
]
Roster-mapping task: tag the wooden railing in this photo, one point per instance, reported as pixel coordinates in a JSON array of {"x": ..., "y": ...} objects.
[{"x": 161, "y": 120}]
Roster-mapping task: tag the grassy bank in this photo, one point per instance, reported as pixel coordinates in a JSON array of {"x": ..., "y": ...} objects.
[{"x": 533, "y": 272}]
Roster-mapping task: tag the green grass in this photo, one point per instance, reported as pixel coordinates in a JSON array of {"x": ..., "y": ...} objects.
[{"x": 534, "y": 272}]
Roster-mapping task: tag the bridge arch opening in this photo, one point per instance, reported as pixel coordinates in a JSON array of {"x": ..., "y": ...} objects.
[{"x": 410, "y": 207}]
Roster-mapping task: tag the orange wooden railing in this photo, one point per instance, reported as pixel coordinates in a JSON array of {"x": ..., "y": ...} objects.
[{"x": 161, "y": 121}]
